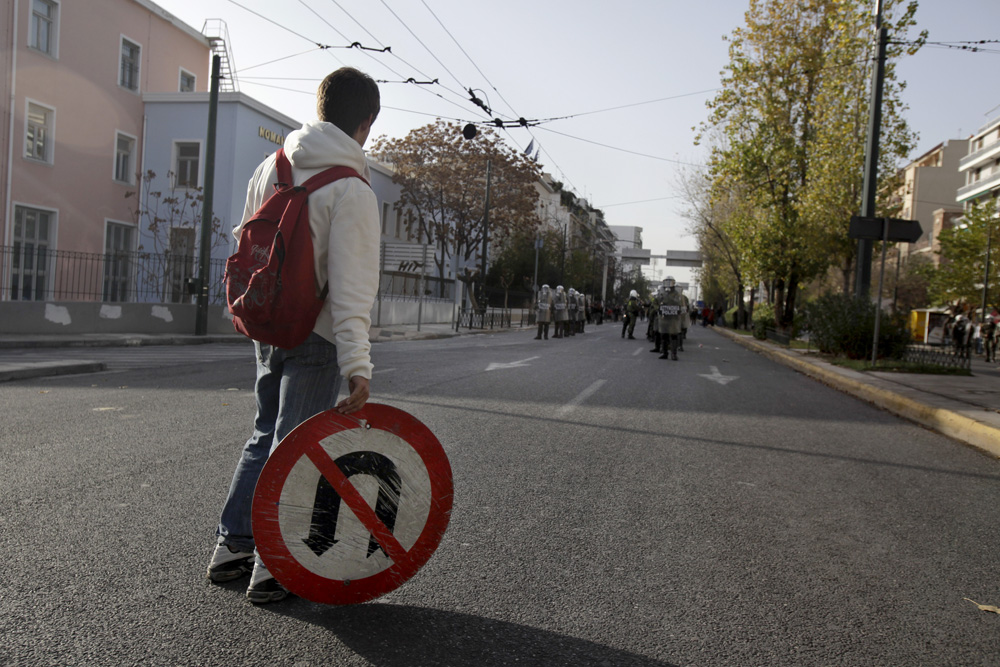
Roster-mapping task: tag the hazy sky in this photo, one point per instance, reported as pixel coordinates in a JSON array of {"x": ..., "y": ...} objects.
[{"x": 633, "y": 74}]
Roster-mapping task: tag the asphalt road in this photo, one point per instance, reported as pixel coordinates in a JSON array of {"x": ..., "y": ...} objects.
[{"x": 610, "y": 508}]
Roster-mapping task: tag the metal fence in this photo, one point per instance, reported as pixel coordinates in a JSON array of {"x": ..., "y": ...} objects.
[
  {"x": 937, "y": 355},
  {"x": 36, "y": 273},
  {"x": 495, "y": 318},
  {"x": 402, "y": 286}
]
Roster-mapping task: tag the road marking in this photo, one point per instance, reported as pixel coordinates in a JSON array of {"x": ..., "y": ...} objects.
[
  {"x": 580, "y": 398},
  {"x": 513, "y": 364},
  {"x": 383, "y": 370},
  {"x": 716, "y": 376},
  {"x": 637, "y": 352}
]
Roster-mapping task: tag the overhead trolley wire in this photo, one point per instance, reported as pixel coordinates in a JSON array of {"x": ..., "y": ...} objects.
[{"x": 404, "y": 79}]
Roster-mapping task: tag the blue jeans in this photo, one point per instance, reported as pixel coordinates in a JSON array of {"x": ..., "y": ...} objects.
[{"x": 292, "y": 385}]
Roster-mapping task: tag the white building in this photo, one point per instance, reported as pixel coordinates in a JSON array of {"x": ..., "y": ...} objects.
[{"x": 981, "y": 167}]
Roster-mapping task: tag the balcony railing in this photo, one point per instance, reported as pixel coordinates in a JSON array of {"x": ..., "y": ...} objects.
[
  {"x": 30, "y": 272},
  {"x": 987, "y": 182},
  {"x": 984, "y": 153}
]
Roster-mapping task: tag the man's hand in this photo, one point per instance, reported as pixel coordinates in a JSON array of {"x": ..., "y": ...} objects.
[{"x": 359, "y": 396}]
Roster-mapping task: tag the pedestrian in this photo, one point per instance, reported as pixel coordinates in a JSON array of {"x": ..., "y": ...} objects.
[
  {"x": 989, "y": 334},
  {"x": 543, "y": 311},
  {"x": 295, "y": 384},
  {"x": 977, "y": 336}
]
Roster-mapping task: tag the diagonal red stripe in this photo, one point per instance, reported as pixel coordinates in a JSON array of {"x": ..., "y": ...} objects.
[{"x": 356, "y": 502}]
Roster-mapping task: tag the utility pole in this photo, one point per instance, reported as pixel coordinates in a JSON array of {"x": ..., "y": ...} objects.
[
  {"x": 986, "y": 274},
  {"x": 864, "y": 270},
  {"x": 204, "y": 256},
  {"x": 486, "y": 234}
]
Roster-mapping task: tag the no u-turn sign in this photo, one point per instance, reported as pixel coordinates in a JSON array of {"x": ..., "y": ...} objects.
[{"x": 348, "y": 508}]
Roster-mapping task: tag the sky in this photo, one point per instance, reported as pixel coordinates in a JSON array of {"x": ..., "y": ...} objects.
[{"x": 627, "y": 80}]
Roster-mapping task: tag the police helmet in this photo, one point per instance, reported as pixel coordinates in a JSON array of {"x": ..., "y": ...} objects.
[{"x": 669, "y": 282}]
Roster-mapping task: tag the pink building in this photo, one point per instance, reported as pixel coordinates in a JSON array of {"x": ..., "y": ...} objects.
[{"x": 72, "y": 137}]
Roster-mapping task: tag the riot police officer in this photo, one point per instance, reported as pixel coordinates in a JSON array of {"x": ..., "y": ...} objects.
[
  {"x": 684, "y": 322},
  {"x": 669, "y": 318},
  {"x": 571, "y": 307},
  {"x": 543, "y": 311},
  {"x": 560, "y": 313},
  {"x": 652, "y": 314},
  {"x": 631, "y": 314}
]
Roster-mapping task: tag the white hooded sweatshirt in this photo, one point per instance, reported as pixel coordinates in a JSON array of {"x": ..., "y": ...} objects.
[{"x": 344, "y": 222}]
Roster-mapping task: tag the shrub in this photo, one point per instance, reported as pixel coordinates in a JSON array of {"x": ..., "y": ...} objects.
[
  {"x": 763, "y": 319},
  {"x": 844, "y": 325}
]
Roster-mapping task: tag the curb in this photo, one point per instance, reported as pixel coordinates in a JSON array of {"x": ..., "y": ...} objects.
[
  {"x": 51, "y": 369},
  {"x": 946, "y": 422}
]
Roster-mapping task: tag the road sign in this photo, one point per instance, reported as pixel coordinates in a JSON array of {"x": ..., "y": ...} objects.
[
  {"x": 349, "y": 507},
  {"x": 689, "y": 258},
  {"x": 638, "y": 256},
  {"x": 872, "y": 228}
]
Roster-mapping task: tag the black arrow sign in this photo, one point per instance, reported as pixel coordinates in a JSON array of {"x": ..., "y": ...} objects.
[{"x": 326, "y": 508}]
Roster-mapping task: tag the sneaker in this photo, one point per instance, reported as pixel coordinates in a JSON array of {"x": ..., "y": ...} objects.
[
  {"x": 227, "y": 564},
  {"x": 264, "y": 587}
]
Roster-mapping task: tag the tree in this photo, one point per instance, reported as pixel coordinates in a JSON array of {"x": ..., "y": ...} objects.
[
  {"x": 170, "y": 222},
  {"x": 517, "y": 257},
  {"x": 443, "y": 189},
  {"x": 958, "y": 280},
  {"x": 711, "y": 210},
  {"x": 792, "y": 112}
]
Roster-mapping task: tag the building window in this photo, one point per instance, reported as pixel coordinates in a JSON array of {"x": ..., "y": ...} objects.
[
  {"x": 399, "y": 225},
  {"x": 30, "y": 263},
  {"x": 39, "y": 132},
  {"x": 124, "y": 158},
  {"x": 187, "y": 82},
  {"x": 44, "y": 23},
  {"x": 385, "y": 214},
  {"x": 118, "y": 246},
  {"x": 188, "y": 155},
  {"x": 128, "y": 76}
]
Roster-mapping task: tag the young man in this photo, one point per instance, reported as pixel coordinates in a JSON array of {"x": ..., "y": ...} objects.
[{"x": 293, "y": 385}]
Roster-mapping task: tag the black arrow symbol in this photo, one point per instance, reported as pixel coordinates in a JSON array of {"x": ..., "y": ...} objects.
[{"x": 326, "y": 507}]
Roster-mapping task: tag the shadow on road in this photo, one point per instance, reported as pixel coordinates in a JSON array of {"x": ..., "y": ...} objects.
[{"x": 404, "y": 636}]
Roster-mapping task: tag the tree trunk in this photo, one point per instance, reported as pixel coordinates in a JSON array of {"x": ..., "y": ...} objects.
[
  {"x": 740, "y": 308},
  {"x": 788, "y": 313},
  {"x": 778, "y": 301}
]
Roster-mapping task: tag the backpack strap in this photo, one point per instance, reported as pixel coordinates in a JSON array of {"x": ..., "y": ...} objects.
[
  {"x": 315, "y": 182},
  {"x": 329, "y": 176},
  {"x": 284, "y": 168}
]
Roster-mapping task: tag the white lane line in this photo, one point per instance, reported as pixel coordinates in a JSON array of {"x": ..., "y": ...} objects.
[
  {"x": 637, "y": 352},
  {"x": 580, "y": 398},
  {"x": 383, "y": 370}
]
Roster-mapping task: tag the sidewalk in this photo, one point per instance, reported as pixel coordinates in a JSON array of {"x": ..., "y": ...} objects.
[
  {"x": 966, "y": 408},
  {"x": 13, "y": 369}
]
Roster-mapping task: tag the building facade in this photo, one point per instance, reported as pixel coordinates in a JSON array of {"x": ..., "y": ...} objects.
[
  {"x": 927, "y": 192},
  {"x": 980, "y": 168},
  {"x": 75, "y": 78},
  {"x": 173, "y": 169}
]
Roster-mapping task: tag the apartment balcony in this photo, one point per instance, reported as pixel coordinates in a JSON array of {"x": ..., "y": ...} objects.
[
  {"x": 989, "y": 180},
  {"x": 983, "y": 155}
]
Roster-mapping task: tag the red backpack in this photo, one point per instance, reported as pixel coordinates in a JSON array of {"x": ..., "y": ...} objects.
[{"x": 270, "y": 282}]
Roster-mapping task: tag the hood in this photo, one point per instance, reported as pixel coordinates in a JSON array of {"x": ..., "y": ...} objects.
[{"x": 319, "y": 145}]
